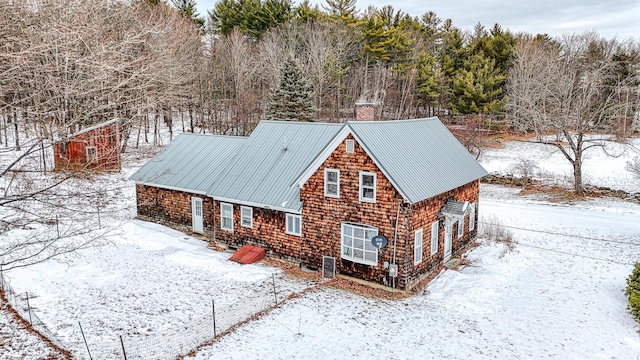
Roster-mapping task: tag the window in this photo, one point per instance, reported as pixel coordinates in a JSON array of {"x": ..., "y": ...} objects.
[
  {"x": 356, "y": 244},
  {"x": 460, "y": 227},
  {"x": 350, "y": 146},
  {"x": 226, "y": 216},
  {"x": 92, "y": 154},
  {"x": 332, "y": 183},
  {"x": 434, "y": 237},
  {"x": 472, "y": 217},
  {"x": 294, "y": 225},
  {"x": 367, "y": 187},
  {"x": 417, "y": 247},
  {"x": 246, "y": 216}
]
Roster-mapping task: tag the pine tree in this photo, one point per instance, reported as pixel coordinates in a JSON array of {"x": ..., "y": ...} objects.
[{"x": 293, "y": 98}]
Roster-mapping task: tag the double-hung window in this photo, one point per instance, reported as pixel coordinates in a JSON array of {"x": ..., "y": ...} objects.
[
  {"x": 417, "y": 247},
  {"x": 367, "y": 187},
  {"x": 332, "y": 183},
  {"x": 246, "y": 216},
  {"x": 294, "y": 225},
  {"x": 434, "y": 237},
  {"x": 356, "y": 243},
  {"x": 226, "y": 216}
]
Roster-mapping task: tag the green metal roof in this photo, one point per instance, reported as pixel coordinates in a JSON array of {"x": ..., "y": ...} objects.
[
  {"x": 420, "y": 157},
  {"x": 262, "y": 171},
  {"x": 189, "y": 162}
]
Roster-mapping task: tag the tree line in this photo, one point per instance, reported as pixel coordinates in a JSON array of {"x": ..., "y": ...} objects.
[{"x": 67, "y": 64}]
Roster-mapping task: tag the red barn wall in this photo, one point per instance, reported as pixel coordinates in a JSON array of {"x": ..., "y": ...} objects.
[{"x": 71, "y": 153}]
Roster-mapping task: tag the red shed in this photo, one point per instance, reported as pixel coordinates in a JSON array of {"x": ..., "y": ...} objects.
[{"x": 96, "y": 147}]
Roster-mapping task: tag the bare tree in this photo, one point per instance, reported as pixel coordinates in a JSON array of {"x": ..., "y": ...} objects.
[{"x": 563, "y": 92}]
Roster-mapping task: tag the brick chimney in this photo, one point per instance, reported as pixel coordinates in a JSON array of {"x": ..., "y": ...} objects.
[{"x": 365, "y": 111}]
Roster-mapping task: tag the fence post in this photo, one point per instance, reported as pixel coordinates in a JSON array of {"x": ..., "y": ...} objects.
[
  {"x": 29, "y": 308},
  {"x": 99, "y": 225},
  {"x": 213, "y": 308},
  {"x": 85, "y": 341},
  {"x": 2, "y": 281},
  {"x": 275, "y": 294},
  {"x": 57, "y": 227},
  {"x": 123, "y": 352}
]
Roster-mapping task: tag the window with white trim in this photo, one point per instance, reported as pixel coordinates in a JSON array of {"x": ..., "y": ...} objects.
[
  {"x": 356, "y": 243},
  {"x": 226, "y": 216},
  {"x": 417, "y": 247},
  {"x": 472, "y": 217},
  {"x": 434, "y": 237},
  {"x": 350, "y": 146},
  {"x": 92, "y": 154},
  {"x": 246, "y": 216},
  {"x": 460, "y": 227},
  {"x": 367, "y": 186},
  {"x": 332, "y": 183},
  {"x": 294, "y": 225}
]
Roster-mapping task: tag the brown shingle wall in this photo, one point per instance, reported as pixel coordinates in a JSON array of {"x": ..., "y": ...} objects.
[{"x": 322, "y": 216}]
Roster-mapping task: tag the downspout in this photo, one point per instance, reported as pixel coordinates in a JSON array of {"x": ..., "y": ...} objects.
[{"x": 395, "y": 240}]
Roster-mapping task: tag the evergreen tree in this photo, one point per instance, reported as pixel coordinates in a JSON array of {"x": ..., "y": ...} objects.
[
  {"x": 187, "y": 8},
  {"x": 251, "y": 17},
  {"x": 477, "y": 89},
  {"x": 293, "y": 98}
]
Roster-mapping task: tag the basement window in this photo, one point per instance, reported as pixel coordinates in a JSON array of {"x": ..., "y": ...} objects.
[
  {"x": 226, "y": 216},
  {"x": 356, "y": 243},
  {"x": 294, "y": 225},
  {"x": 367, "y": 187},
  {"x": 332, "y": 183}
]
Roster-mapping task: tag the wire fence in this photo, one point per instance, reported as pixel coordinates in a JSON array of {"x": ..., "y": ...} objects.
[
  {"x": 20, "y": 303},
  {"x": 171, "y": 344}
]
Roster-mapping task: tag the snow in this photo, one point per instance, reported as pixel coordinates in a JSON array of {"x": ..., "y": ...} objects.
[
  {"x": 598, "y": 165},
  {"x": 16, "y": 342},
  {"x": 559, "y": 294},
  {"x": 530, "y": 303}
]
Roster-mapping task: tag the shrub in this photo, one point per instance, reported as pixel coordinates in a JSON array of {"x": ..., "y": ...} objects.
[
  {"x": 633, "y": 291},
  {"x": 493, "y": 231}
]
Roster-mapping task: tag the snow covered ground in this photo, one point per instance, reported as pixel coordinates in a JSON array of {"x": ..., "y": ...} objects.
[
  {"x": 599, "y": 168},
  {"x": 558, "y": 295},
  {"x": 555, "y": 296}
]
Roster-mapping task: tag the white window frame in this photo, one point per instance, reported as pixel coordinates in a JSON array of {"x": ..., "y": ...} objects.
[
  {"x": 472, "y": 217},
  {"x": 91, "y": 159},
  {"x": 293, "y": 220},
  {"x": 327, "y": 183},
  {"x": 435, "y": 230},
  {"x": 417, "y": 247},
  {"x": 350, "y": 146},
  {"x": 248, "y": 216},
  {"x": 362, "y": 188},
  {"x": 348, "y": 248},
  {"x": 460, "y": 227},
  {"x": 222, "y": 217}
]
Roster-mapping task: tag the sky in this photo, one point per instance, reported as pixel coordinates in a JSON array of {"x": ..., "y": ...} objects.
[{"x": 610, "y": 18}]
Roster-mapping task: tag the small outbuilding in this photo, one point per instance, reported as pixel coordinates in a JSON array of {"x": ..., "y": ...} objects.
[{"x": 96, "y": 147}]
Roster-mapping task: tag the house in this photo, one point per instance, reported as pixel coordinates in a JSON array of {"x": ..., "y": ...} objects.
[
  {"x": 305, "y": 191},
  {"x": 95, "y": 147}
]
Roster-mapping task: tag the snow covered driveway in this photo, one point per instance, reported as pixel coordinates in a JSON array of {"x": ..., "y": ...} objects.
[{"x": 562, "y": 299}]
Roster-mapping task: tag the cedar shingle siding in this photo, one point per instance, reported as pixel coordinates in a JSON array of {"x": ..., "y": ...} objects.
[{"x": 322, "y": 216}]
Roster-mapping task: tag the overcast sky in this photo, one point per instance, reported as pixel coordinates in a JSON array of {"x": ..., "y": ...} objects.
[{"x": 610, "y": 18}]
